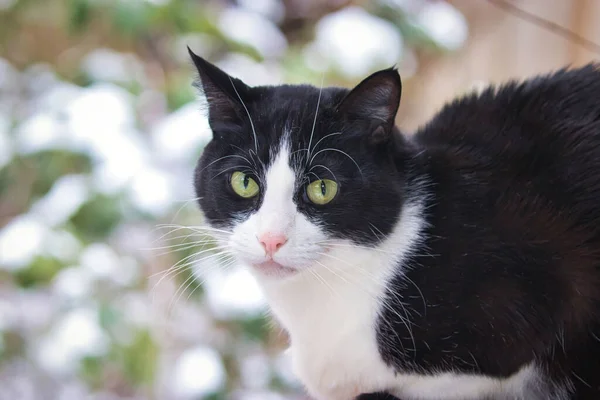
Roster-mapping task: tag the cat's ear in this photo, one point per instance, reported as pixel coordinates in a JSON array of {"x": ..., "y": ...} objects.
[
  {"x": 375, "y": 100},
  {"x": 225, "y": 94}
]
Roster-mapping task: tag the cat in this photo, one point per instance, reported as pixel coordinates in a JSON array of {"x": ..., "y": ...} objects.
[{"x": 458, "y": 262}]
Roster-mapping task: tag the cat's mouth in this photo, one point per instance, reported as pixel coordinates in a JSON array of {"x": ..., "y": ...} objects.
[{"x": 273, "y": 269}]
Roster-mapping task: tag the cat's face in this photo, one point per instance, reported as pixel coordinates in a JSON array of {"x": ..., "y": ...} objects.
[{"x": 294, "y": 172}]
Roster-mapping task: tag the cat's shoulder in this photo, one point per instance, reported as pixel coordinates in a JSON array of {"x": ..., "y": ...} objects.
[{"x": 558, "y": 112}]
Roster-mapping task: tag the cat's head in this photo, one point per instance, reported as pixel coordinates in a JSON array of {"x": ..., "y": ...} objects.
[{"x": 294, "y": 171}]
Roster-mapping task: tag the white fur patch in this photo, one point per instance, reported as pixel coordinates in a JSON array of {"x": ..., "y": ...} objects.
[{"x": 330, "y": 306}]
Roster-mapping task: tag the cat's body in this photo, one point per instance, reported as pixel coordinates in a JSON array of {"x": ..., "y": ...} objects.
[{"x": 462, "y": 262}]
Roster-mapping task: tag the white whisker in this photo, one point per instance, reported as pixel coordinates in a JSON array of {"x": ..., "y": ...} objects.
[
  {"x": 316, "y": 113},
  {"x": 247, "y": 112},
  {"x": 339, "y": 151}
]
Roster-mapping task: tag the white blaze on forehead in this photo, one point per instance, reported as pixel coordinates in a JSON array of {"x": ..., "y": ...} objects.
[{"x": 277, "y": 212}]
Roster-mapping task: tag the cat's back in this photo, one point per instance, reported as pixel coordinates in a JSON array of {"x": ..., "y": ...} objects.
[{"x": 538, "y": 140}]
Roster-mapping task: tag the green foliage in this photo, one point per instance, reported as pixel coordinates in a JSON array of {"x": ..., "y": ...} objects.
[
  {"x": 256, "y": 328},
  {"x": 80, "y": 15},
  {"x": 47, "y": 166},
  {"x": 40, "y": 272},
  {"x": 139, "y": 358},
  {"x": 130, "y": 18},
  {"x": 62, "y": 33},
  {"x": 92, "y": 369},
  {"x": 97, "y": 218}
]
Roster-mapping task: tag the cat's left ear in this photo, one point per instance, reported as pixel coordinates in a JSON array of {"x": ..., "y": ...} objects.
[
  {"x": 225, "y": 94},
  {"x": 375, "y": 100}
]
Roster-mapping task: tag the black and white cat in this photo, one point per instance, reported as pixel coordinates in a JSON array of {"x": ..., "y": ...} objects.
[{"x": 461, "y": 262}]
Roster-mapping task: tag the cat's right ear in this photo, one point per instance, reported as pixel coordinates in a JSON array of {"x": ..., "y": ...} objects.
[
  {"x": 225, "y": 94},
  {"x": 375, "y": 101}
]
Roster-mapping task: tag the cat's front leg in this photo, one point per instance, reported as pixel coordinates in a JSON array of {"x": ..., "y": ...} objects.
[{"x": 323, "y": 378}]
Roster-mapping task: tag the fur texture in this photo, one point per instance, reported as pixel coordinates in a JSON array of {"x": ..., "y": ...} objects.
[{"x": 461, "y": 262}]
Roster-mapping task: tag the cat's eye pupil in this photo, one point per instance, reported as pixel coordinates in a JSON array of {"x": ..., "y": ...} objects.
[
  {"x": 246, "y": 181},
  {"x": 323, "y": 188}
]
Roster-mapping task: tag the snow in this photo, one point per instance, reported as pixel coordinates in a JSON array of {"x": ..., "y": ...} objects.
[
  {"x": 255, "y": 371},
  {"x": 73, "y": 283},
  {"x": 111, "y": 66},
  {"x": 8, "y": 315},
  {"x": 444, "y": 23},
  {"x": 103, "y": 263},
  {"x": 254, "y": 30},
  {"x": 20, "y": 241},
  {"x": 249, "y": 71},
  {"x": 62, "y": 245},
  {"x": 272, "y": 9},
  {"x": 100, "y": 107},
  {"x": 76, "y": 335},
  {"x": 151, "y": 191},
  {"x": 181, "y": 135},
  {"x": 356, "y": 42},
  {"x": 41, "y": 131},
  {"x": 62, "y": 201},
  {"x": 198, "y": 372},
  {"x": 232, "y": 293},
  {"x": 100, "y": 261}
]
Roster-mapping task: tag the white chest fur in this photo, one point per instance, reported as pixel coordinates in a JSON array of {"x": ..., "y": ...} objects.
[{"x": 330, "y": 312}]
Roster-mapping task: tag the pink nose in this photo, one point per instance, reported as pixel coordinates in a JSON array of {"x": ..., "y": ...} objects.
[{"x": 272, "y": 242}]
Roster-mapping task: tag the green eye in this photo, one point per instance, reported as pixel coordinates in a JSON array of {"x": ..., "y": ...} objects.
[
  {"x": 243, "y": 185},
  {"x": 322, "y": 191}
]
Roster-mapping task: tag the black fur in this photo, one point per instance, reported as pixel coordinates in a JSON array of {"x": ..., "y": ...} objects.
[
  {"x": 362, "y": 117},
  {"x": 508, "y": 271},
  {"x": 510, "y": 268}
]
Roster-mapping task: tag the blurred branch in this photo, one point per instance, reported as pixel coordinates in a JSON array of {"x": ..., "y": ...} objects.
[{"x": 547, "y": 25}]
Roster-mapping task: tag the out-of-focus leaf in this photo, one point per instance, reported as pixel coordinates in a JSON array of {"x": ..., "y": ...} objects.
[
  {"x": 108, "y": 316},
  {"x": 412, "y": 34},
  {"x": 47, "y": 166},
  {"x": 40, "y": 272},
  {"x": 130, "y": 18},
  {"x": 97, "y": 218},
  {"x": 13, "y": 345},
  {"x": 80, "y": 15},
  {"x": 256, "y": 328},
  {"x": 179, "y": 94},
  {"x": 92, "y": 370},
  {"x": 139, "y": 359}
]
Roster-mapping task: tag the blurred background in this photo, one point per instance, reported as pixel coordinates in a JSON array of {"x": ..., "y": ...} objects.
[{"x": 106, "y": 290}]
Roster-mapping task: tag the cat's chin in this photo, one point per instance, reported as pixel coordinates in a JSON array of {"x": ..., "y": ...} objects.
[{"x": 273, "y": 269}]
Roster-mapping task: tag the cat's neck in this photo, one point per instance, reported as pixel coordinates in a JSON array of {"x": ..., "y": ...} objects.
[{"x": 349, "y": 276}]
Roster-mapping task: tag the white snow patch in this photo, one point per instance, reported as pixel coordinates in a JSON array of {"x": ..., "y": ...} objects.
[
  {"x": 76, "y": 335},
  {"x": 272, "y": 9},
  {"x": 151, "y": 191},
  {"x": 100, "y": 261},
  {"x": 198, "y": 372},
  {"x": 42, "y": 131},
  {"x": 255, "y": 371},
  {"x": 62, "y": 245},
  {"x": 64, "y": 199},
  {"x": 73, "y": 283},
  {"x": 8, "y": 315},
  {"x": 249, "y": 71},
  {"x": 232, "y": 293},
  {"x": 111, "y": 66},
  {"x": 20, "y": 241},
  {"x": 182, "y": 134},
  {"x": 444, "y": 23},
  {"x": 254, "y": 30},
  {"x": 356, "y": 42}
]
